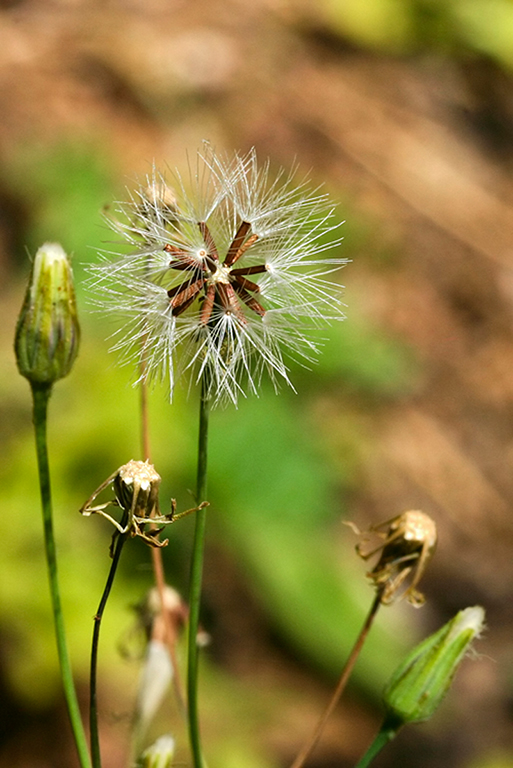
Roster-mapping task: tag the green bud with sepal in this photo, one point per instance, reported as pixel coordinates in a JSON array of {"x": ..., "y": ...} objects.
[
  {"x": 48, "y": 333},
  {"x": 419, "y": 684}
]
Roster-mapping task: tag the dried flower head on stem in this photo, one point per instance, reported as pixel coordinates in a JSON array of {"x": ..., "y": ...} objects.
[
  {"x": 408, "y": 543},
  {"x": 136, "y": 491},
  {"x": 227, "y": 275}
]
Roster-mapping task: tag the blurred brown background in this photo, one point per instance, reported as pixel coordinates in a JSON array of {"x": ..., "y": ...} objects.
[{"x": 404, "y": 110}]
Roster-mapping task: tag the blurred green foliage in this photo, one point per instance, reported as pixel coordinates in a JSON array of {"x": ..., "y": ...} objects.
[
  {"x": 279, "y": 474},
  {"x": 449, "y": 27},
  {"x": 495, "y": 759},
  {"x": 64, "y": 187}
]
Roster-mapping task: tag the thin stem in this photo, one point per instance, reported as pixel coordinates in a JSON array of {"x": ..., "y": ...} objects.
[
  {"x": 160, "y": 581},
  {"x": 41, "y": 395},
  {"x": 156, "y": 552},
  {"x": 195, "y": 581},
  {"x": 337, "y": 693},
  {"x": 93, "y": 708},
  {"x": 387, "y": 732}
]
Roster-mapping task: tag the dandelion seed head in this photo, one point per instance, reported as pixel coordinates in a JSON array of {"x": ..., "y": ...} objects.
[{"x": 227, "y": 276}]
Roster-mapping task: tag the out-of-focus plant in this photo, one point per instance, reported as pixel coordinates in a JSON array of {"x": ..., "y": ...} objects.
[{"x": 456, "y": 27}]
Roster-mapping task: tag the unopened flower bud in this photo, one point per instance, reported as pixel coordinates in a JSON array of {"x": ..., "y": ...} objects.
[
  {"x": 420, "y": 683},
  {"x": 159, "y": 755},
  {"x": 47, "y": 333}
]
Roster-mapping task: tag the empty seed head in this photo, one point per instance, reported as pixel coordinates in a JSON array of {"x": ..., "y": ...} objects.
[
  {"x": 409, "y": 542},
  {"x": 136, "y": 486}
]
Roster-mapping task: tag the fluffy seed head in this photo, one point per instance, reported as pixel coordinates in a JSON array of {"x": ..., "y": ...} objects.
[{"x": 227, "y": 274}]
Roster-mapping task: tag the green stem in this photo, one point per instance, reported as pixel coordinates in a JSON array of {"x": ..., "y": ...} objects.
[
  {"x": 93, "y": 708},
  {"x": 195, "y": 582},
  {"x": 41, "y": 396},
  {"x": 387, "y": 732}
]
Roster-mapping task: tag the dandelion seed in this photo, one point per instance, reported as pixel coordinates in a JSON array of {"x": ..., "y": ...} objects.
[{"x": 228, "y": 276}]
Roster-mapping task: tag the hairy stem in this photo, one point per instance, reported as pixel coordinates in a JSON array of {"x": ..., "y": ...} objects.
[
  {"x": 387, "y": 732},
  {"x": 41, "y": 395},
  {"x": 195, "y": 581},
  {"x": 93, "y": 706},
  {"x": 337, "y": 693}
]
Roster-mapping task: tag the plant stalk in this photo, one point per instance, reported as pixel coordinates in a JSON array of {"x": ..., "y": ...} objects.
[
  {"x": 93, "y": 704},
  {"x": 196, "y": 580},
  {"x": 41, "y": 395},
  {"x": 387, "y": 732},
  {"x": 337, "y": 693},
  {"x": 156, "y": 552}
]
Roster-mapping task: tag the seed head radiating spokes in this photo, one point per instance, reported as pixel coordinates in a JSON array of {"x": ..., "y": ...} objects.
[
  {"x": 227, "y": 274},
  {"x": 218, "y": 280}
]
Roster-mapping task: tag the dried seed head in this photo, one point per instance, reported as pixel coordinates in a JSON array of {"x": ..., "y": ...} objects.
[
  {"x": 409, "y": 543},
  {"x": 420, "y": 683},
  {"x": 47, "y": 333},
  {"x": 136, "y": 486}
]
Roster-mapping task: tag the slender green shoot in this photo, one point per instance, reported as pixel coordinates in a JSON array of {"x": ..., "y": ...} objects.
[
  {"x": 387, "y": 732},
  {"x": 195, "y": 581},
  {"x": 93, "y": 704},
  {"x": 41, "y": 394}
]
